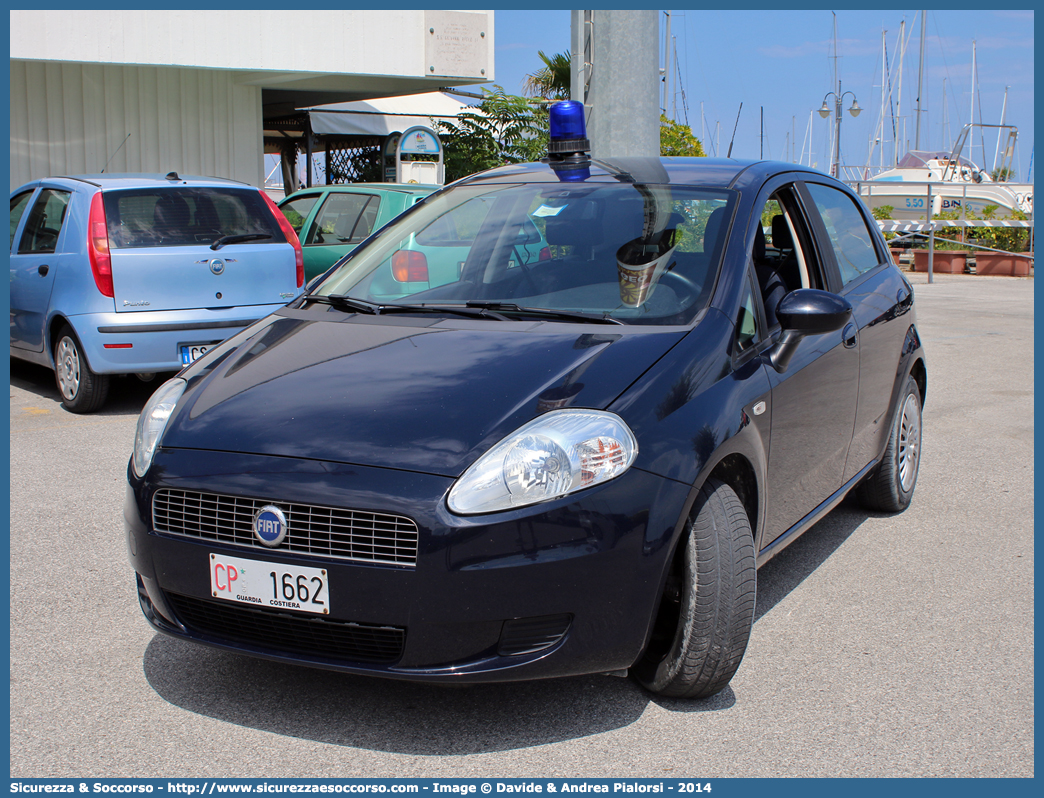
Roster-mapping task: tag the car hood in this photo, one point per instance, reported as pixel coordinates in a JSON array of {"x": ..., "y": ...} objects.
[{"x": 413, "y": 393}]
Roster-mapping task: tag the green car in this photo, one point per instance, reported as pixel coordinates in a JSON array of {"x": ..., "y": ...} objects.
[{"x": 331, "y": 221}]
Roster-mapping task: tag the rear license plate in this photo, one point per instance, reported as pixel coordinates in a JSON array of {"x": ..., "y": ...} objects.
[
  {"x": 190, "y": 354},
  {"x": 269, "y": 584}
]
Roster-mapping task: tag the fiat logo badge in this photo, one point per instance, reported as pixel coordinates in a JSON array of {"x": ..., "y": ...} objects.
[
  {"x": 217, "y": 266},
  {"x": 270, "y": 526}
]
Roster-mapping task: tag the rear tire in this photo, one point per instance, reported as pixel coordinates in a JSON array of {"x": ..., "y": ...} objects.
[
  {"x": 82, "y": 390},
  {"x": 890, "y": 487},
  {"x": 703, "y": 624}
]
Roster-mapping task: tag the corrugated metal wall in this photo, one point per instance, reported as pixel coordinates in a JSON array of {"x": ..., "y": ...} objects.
[{"x": 71, "y": 118}]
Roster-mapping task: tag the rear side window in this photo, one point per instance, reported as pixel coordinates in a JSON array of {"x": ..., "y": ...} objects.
[
  {"x": 297, "y": 210},
  {"x": 853, "y": 245},
  {"x": 172, "y": 217},
  {"x": 45, "y": 222},
  {"x": 344, "y": 219}
]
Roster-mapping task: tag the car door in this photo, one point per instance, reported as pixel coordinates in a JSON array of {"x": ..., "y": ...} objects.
[
  {"x": 342, "y": 221},
  {"x": 35, "y": 261},
  {"x": 813, "y": 402},
  {"x": 882, "y": 301}
]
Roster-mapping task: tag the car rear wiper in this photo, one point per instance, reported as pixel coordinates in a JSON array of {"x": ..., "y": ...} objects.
[
  {"x": 546, "y": 313},
  {"x": 238, "y": 239}
]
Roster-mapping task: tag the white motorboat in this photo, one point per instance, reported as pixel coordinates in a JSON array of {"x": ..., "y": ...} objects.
[{"x": 947, "y": 182}]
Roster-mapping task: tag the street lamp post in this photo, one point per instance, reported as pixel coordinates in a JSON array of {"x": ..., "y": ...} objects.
[{"x": 835, "y": 166}]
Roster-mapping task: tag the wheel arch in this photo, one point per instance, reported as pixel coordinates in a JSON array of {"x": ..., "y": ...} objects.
[
  {"x": 920, "y": 374},
  {"x": 736, "y": 471},
  {"x": 54, "y": 326}
]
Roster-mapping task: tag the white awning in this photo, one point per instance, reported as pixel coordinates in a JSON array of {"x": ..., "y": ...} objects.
[{"x": 383, "y": 116}]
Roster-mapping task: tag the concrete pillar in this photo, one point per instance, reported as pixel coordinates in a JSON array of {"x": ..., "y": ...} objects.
[{"x": 623, "y": 104}]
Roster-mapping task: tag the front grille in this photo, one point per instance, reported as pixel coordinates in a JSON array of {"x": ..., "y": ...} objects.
[
  {"x": 289, "y": 633},
  {"x": 316, "y": 531}
]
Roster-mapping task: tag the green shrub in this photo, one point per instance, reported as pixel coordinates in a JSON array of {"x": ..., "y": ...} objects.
[
  {"x": 883, "y": 213},
  {"x": 1009, "y": 239}
]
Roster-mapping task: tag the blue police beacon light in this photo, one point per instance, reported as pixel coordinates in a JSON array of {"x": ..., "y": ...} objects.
[{"x": 568, "y": 148}]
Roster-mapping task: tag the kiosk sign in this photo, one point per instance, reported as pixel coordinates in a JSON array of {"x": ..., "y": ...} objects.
[{"x": 419, "y": 142}]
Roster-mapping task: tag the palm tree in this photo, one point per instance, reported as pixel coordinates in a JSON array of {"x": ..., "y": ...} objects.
[{"x": 552, "y": 81}]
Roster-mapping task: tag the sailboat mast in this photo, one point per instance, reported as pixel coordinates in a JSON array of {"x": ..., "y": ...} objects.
[
  {"x": 667, "y": 67},
  {"x": 899, "y": 92},
  {"x": 808, "y": 133},
  {"x": 971, "y": 111},
  {"x": 1004, "y": 110},
  {"x": 920, "y": 78},
  {"x": 884, "y": 73},
  {"x": 945, "y": 121}
]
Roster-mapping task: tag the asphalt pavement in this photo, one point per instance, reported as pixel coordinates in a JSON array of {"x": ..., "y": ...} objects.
[{"x": 882, "y": 645}]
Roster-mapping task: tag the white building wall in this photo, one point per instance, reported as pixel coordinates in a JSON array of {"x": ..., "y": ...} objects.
[
  {"x": 187, "y": 85},
  {"x": 386, "y": 42},
  {"x": 69, "y": 118}
]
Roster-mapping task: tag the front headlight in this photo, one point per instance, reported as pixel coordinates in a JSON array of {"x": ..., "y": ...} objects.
[
  {"x": 556, "y": 454},
  {"x": 152, "y": 422}
]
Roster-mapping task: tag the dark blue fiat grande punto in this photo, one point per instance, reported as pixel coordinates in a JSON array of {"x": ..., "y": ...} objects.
[{"x": 605, "y": 392}]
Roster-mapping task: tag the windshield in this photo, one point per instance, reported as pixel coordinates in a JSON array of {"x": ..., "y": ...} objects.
[{"x": 634, "y": 253}]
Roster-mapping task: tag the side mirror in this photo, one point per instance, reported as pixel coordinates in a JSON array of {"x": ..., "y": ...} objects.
[{"x": 806, "y": 311}]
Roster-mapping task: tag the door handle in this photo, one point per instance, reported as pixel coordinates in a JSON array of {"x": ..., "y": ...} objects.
[
  {"x": 848, "y": 336},
  {"x": 43, "y": 269}
]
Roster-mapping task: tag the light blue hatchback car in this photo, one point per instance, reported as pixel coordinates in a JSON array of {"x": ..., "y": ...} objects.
[{"x": 139, "y": 274}]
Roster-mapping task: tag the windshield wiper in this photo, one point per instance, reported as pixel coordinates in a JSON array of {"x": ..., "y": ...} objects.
[
  {"x": 381, "y": 308},
  {"x": 238, "y": 239},
  {"x": 342, "y": 301},
  {"x": 473, "y": 309},
  {"x": 546, "y": 313}
]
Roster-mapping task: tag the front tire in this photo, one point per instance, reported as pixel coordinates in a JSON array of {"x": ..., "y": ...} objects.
[
  {"x": 707, "y": 610},
  {"x": 82, "y": 390},
  {"x": 891, "y": 485}
]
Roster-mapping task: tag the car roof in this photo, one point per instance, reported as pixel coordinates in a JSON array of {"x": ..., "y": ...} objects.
[
  {"x": 705, "y": 172},
  {"x": 116, "y": 180},
  {"x": 348, "y": 188}
]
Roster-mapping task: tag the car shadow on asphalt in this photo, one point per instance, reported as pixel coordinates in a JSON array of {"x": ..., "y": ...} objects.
[
  {"x": 434, "y": 720},
  {"x": 384, "y": 715},
  {"x": 127, "y": 394},
  {"x": 779, "y": 577},
  {"x": 792, "y": 566}
]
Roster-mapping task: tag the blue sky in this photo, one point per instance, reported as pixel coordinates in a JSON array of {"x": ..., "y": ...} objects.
[{"x": 782, "y": 61}]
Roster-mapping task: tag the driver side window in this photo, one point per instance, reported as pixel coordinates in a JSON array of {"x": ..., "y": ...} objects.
[{"x": 783, "y": 262}]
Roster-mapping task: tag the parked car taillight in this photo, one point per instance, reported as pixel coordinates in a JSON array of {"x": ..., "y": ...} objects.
[
  {"x": 98, "y": 246},
  {"x": 291, "y": 236}
]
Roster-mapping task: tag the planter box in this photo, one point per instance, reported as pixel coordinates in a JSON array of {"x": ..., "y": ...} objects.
[
  {"x": 995, "y": 264},
  {"x": 896, "y": 253},
  {"x": 946, "y": 261}
]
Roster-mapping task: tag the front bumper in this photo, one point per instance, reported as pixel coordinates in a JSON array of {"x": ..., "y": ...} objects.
[
  {"x": 151, "y": 341},
  {"x": 565, "y": 588}
]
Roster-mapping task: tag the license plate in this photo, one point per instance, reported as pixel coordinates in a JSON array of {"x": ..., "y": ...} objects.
[
  {"x": 269, "y": 584},
  {"x": 190, "y": 354}
]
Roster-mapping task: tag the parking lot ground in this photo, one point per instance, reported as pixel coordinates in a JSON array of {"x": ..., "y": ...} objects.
[{"x": 882, "y": 646}]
